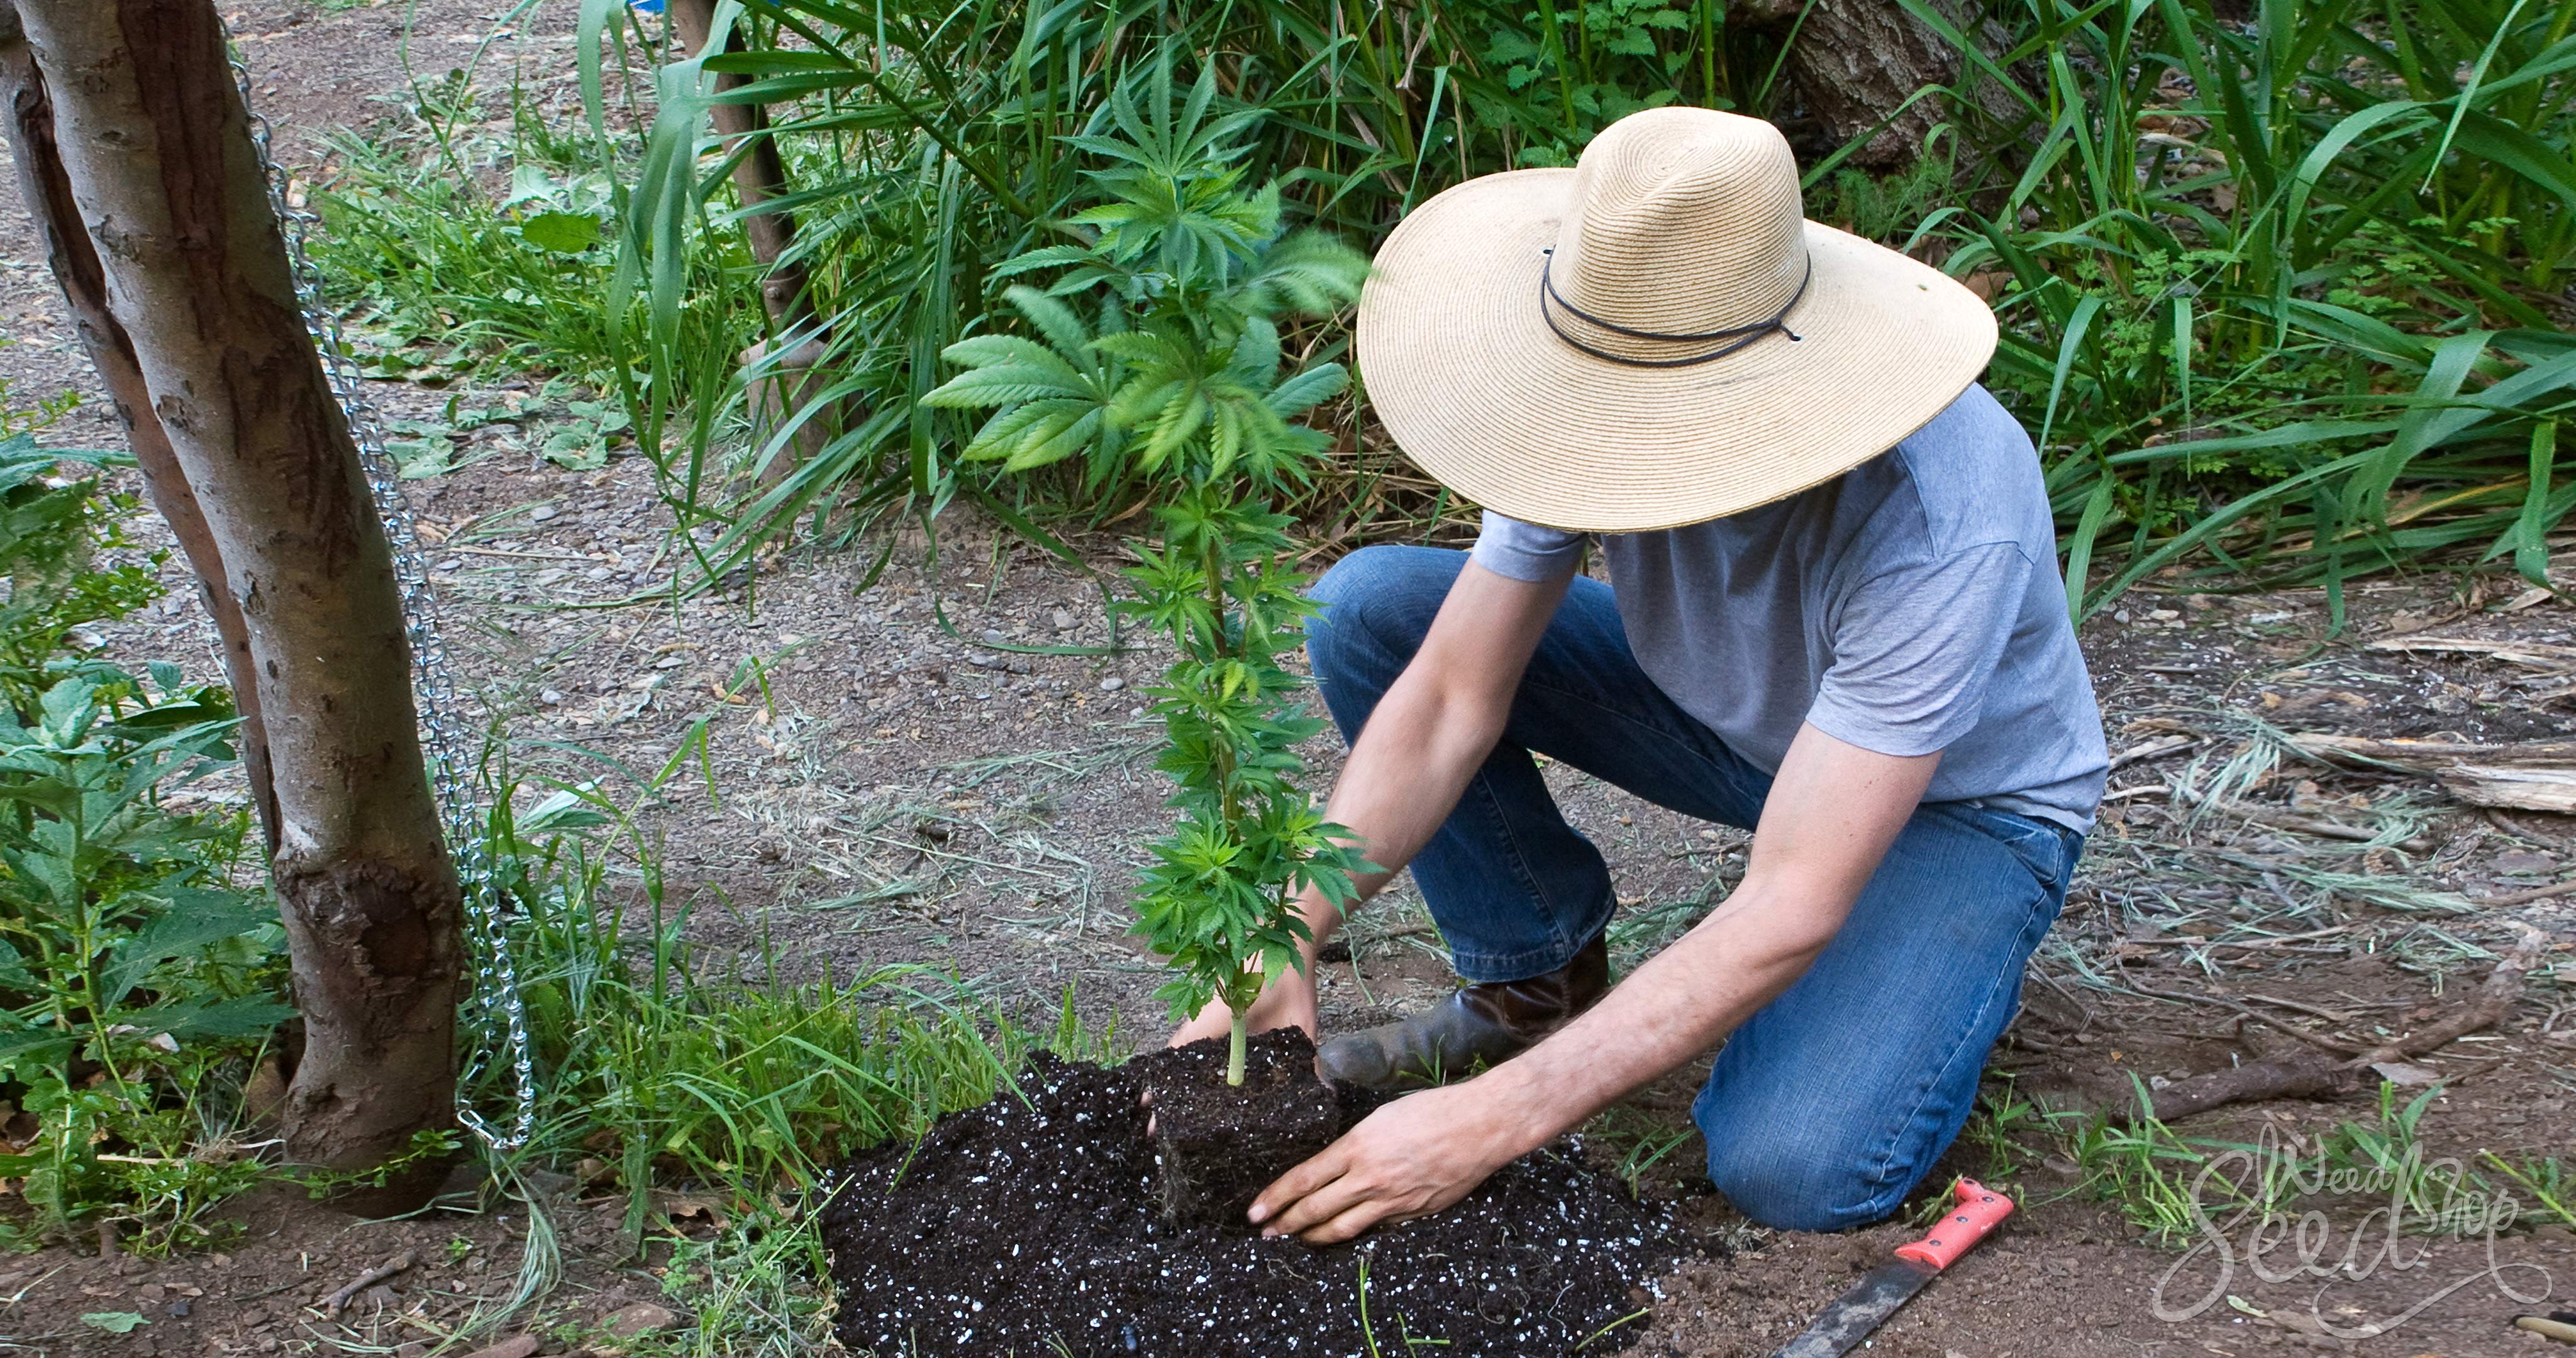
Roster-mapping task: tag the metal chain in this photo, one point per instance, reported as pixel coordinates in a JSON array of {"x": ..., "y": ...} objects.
[{"x": 495, "y": 1015}]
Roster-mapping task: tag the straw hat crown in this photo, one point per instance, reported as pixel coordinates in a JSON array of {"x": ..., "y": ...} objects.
[
  {"x": 1684, "y": 221},
  {"x": 1655, "y": 337}
]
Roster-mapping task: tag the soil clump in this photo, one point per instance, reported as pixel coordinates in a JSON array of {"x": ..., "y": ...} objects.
[
  {"x": 1035, "y": 1220},
  {"x": 1218, "y": 1145}
]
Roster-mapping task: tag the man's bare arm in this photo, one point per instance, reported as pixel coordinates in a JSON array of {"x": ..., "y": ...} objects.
[
  {"x": 1429, "y": 734},
  {"x": 1830, "y": 817}
]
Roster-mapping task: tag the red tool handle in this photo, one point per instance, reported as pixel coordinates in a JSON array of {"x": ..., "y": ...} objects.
[{"x": 1972, "y": 1218}]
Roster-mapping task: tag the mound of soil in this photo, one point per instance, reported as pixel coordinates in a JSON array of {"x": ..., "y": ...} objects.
[
  {"x": 1035, "y": 1221},
  {"x": 1219, "y": 1145}
]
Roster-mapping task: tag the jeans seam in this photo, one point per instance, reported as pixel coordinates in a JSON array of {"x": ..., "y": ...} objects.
[{"x": 1886, "y": 1168}]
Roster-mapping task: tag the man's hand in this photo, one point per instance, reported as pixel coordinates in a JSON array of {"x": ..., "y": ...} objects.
[
  {"x": 1286, "y": 1002},
  {"x": 1411, "y": 1158}
]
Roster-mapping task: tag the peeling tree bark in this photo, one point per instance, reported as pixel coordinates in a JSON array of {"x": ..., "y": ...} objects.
[
  {"x": 156, "y": 152},
  {"x": 1855, "y": 61},
  {"x": 76, "y": 268}
]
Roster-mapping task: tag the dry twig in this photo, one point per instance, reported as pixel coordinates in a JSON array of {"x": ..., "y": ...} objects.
[
  {"x": 339, "y": 1300},
  {"x": 2302, "y": 1077}
]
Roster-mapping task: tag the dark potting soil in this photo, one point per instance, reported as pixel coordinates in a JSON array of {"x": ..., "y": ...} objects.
[
  {"x": 1032, "y": 1226},
  {"x": 1218, "y": 1145}
]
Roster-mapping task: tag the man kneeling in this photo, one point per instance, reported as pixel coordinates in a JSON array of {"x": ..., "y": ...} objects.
[{"x": 1834, "y": 618}]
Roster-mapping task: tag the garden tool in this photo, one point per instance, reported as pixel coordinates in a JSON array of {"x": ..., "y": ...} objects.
[{"x": 1839, "y": 1328}]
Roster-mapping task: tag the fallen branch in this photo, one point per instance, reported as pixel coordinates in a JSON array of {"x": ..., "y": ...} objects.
[
  {"x": 2529, "y": 775},
  {"x": 400, "y": 1263},
  {"x": 2309, "y": 1076}
]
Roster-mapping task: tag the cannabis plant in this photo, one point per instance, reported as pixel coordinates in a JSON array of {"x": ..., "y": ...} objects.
[{"x": 1180, "y": 382}]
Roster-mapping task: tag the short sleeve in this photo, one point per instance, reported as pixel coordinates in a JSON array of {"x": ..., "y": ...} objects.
[
  {"x": 1915, "y": 648},
  {"x": 1522, "y": 551}
]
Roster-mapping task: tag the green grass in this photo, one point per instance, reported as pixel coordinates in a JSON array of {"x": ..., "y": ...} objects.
[
  {"x": 728, "y": 1082},
  {"x": 2175, "y": 1188},
  {"x": 2283, "y": 301},
  {"x": 459, "y": 246}
]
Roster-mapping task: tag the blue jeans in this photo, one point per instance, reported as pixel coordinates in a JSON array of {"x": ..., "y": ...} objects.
[{"x": 1829, "y": 1104}]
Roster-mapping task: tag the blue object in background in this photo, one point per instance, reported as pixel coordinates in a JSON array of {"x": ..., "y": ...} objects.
[{"x": 645, "y": 6}]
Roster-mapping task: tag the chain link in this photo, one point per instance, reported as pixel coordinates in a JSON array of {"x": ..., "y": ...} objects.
[{"x": 494, "y": 1015}]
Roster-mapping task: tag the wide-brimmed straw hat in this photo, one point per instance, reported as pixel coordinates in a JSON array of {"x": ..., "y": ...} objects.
[{"x": 1655, "y": 337}]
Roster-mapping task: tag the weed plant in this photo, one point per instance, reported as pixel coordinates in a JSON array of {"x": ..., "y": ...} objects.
[
  {"x": 1180, "y": 386},
  {"x": 140, "y": 957}
]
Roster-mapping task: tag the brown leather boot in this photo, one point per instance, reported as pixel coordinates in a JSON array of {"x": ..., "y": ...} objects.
[{"x": 1477, "y": 1025}]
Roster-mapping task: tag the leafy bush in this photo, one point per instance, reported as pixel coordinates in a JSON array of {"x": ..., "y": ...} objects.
[
  {"x": 2284, "y": 296},
  {"x": 928, "y": 147},
  {"x": 1180, "y": 386},
  {"x": 139, "y": 972}
]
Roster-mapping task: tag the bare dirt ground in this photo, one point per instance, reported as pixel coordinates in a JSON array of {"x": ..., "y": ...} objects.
[{"x": 888, "y": 787}]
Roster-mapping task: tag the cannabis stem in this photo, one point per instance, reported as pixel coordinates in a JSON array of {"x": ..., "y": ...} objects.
[{"x": 1234, "y": 1052}]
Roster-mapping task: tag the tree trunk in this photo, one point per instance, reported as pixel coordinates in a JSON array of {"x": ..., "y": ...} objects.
[
  {"x": 760, "y": 177},
  {"x": 84, "y": 284},
  {"x": 157, "y": 153},
  {"x": 1854, "y": 62}
]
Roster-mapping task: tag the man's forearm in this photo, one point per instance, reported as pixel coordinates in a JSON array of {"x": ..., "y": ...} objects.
[
  {"x": 1404, "y": 775},
  {"x": 1674, "y": 1007}
]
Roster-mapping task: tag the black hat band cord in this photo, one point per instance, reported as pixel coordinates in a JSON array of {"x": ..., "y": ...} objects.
[{"x": 1742, "y": 335}]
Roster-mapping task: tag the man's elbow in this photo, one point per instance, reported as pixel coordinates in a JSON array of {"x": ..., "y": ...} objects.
[{"x": 1786, "y": 926}]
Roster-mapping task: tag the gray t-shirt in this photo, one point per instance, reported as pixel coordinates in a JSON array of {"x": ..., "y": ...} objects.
[{"x": 1912, "y": 604}]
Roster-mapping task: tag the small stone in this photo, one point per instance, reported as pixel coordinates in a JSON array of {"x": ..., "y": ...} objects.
[
  {"x": 551, "y": 698},
  {"x": 639, "y": 1318},
  {"x": 414, "y": 1349},
  {"x": 544, "y": 514},
  {"x": 1062, "y": 620},
  {"x": 1112, "y": 684},
  {"x": 597, "y": 575},
  {"x": 670, "y": 662},
  {"x": 2521, "y": 861},
  {"x": 993, "y": 636},
  {"x": 517, "y": 1346},
  {"x": 178, "y": 1310},
  {"x": 452, "y": 564}
]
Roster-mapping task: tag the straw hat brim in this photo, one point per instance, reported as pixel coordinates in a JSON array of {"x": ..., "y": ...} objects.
[{"x": 1461, "y": 366}]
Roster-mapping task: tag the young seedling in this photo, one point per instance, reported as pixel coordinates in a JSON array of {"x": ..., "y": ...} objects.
[{"x": 1179, "y": 390}]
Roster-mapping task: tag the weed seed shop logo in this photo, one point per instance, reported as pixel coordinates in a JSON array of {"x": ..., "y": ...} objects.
[{"x": 2241, "y": 1213}]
